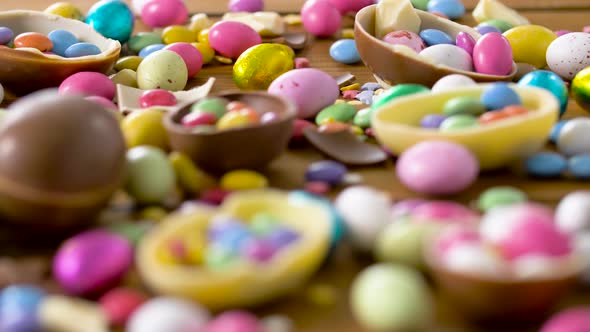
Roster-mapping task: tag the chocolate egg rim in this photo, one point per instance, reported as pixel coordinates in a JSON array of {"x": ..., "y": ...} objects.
[
  {"x": 109, "y": 48},
  {"x": 286, "y": 114},
  {"x": 432, "y": 21},
  {"x": 548, "y": 105}
]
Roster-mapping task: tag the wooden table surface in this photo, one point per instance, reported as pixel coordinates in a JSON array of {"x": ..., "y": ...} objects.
[{"x": 287, "y": 173}]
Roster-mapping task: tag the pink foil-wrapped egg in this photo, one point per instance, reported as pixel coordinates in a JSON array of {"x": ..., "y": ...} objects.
[
  {"x": 92, "y": 262},
  {"x": 310, "y": 89},
  {"x": 88, "y": 83},
  {"x": 163, "y": 13},
  {"x": 570, "y": 320},
  {"x": 321, "y": 18},
  {"x": 234, "y": 321},
  {"x": 437, "y": 167},
  {"x": 231, "y": 38},
  {"x": 405, "y": 38},
  {"x": 444, "y": 212},
  {"x": 465, "y": 41},
  {"x": 492, "y": 54}
]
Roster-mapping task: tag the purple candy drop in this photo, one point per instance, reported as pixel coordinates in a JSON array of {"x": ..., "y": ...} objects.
[
  {"x": 328, "y": 171},
  {"x": 432, "y": 121},
  {"x": 483, "y": 29},
  {"x": 259, "y": 250}
]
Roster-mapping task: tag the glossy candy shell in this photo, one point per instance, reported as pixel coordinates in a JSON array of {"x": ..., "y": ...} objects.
[
  {"x": 248, "y": 284},
  {"x": 397, "y": 125}
]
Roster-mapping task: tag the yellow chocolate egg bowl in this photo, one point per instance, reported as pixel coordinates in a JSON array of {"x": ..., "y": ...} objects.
[
  {"x": 397, "y": 125},
  {"x": 244, "y": 283}
]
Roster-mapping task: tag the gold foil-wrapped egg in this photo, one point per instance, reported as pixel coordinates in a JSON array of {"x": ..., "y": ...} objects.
[{"x": 259, "y": 65}]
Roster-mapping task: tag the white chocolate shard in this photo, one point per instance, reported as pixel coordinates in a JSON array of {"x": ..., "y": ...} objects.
[
  {"x": 66, "y": 314},
  {"x": 393, "y": 15},
  {"x": 267, "y": 24},
  {"x": 494, "y": 9}
]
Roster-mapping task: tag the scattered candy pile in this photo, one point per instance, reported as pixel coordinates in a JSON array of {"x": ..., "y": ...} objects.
[{"x": 502, "y": 242}]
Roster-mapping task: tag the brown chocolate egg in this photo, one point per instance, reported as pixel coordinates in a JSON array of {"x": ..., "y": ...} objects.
[{"x": 61, "y": 158}]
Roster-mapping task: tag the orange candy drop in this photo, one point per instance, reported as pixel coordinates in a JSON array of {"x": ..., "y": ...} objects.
[{"x": 33, "y": 40}]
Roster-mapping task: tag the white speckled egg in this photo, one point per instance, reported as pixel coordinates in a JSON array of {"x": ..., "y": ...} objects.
[
  {"x": 574, "y": 137},
  {"x": 569, "y": 54},
  {"x": 452, "y": 82},
  {"x": 449, "y": 55},
  {"x": 573, "y": 212},
  {"x": 168, "y": 314},
  {"x": 365, "y": 212},
  {"x": 162, "y": 70}
]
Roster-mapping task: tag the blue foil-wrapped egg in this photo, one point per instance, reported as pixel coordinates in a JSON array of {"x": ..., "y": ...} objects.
[
  {"x": 550, "y": 81},
  {"x": 18, "y": 308},
  {"x": 112, "y": 19}
]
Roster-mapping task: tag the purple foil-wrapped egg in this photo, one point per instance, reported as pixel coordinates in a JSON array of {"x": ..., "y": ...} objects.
[{"x": 92, "y": 262}]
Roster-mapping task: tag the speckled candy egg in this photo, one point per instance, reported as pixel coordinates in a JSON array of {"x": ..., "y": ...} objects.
[
  {"x": 573, "y": 212},
  {"x": 112, "y": 19},
  {"x": 53, "y": 139},
  {"x": 581, "y": 88},
  {"x": 570, "y": 320},
  {"x": 92, "y": 262},
  {"x": 449, "y": 55},
  {"x": 549, "y": 81},
  {"x": 405, "y": 38},
  {"x": 574, "y": 137},
  {"x": 362, "y": 227},
  {"x": 168, "y": 314},
  {"x": 321, "y": 18},
  {"x": 492, "y": 54},
  {"x": 452, "y": 82},
  {"x": 310, "y": 89},
  {"x": 259, "y": 65},
  {"x": 437, "y": 168},
  {"x": 162, "y": 70},
  {"x": 223, "y": 38},
  {"x": 388, "y": 297},
  {"x": 569, "y": 54}
]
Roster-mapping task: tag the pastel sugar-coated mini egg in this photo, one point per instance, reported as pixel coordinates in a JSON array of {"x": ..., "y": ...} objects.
[
  {"x": 573, "y": 212},
  {"x": 529, "y": 43},
  {"x": 6, "y": 35},
  {"x": 465, "y": 41},
  {"x": 88, "y": 84},
  {"x": 33, "y": 40},
  {"x": 222, "y": 38},
  {"x": 235, "y": 320},
  {"x": 82, "y": 49},
  {"x": 492, "y": 54},
  {"x": 19, "y": 305},
  {"x": 168, "y": 314},
  {"x": 549, "y": 81},
  {"x": 500, "y": 196},
  {"x": 260, "y": 65},
  {"x": 397, "y": 92},
  {"x": 157, "y": 97},
  {"x": 191, "y": 55},
  {"x": 150, "y": 49},
  {"x": 119, "y": 304},
  {"x": 112, "y": 19},
  {"x": 405, "y": 38},
  {"x": 150, "y": 176},
  {"x": 363, "y": 228},
  {"x": 389, "y": 297},
  {"x": 576, "y": 319},
  {"x": 525, "y": 229},
  {"x": 452, "y": 82},
  {"x": 432, "y": 121},
  {"x": 402, "y": 242},
  {"x": 178, "y": 34},
  {"x": 485, "y": 29},
  {"x": 444, "y": 212},
  {"x": 437, "y": 167},
  {"x": 568, "y": 54},
  {"x": 574, "y": 137},
  {"x": 142, "y": 40},
  {"x": 453, "y": 237},
  {"x": 545, "y": 165},
  {"x": 310, "y": 89},
  {"x": 162, "y": 69},
  {"x": 250, "y": 6},
  {"x": 579, "y": 166},
  {"x": 145, "y": 127},
  {"x": 345, "y": 51},
  {"x": 581, "y": 88},
  {"x": 434, "y": 37},
  {"x": 498, "y": 96},
  {"x": 92, "y": 262},
  {"x": 449, "y": 55},
  {"x": 452, "y": 9},
  {"x": 328, "y": 171},
  {"x": 163, "y": 13},
  {"x": 65, "y": 9},
  {"x": 321, "y": 18},
  {"x": 61, "y": 39}
]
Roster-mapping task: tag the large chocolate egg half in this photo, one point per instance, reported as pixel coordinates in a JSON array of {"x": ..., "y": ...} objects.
[{"x": 61, "y": 158}]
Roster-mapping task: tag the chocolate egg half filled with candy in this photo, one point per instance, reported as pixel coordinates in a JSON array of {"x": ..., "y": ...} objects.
[{"x": 61, "y": 158}]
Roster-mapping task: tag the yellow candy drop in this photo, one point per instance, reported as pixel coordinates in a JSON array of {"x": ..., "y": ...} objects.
[
  {"x": 233, "y": 120},
  {"x": 189, "y": 177},
  {"x": 207, "y": 52},
  {"x": 178, "y": 34},
  {"x": 243, "y": 180},
  {"x": 258, "y": 66},
  {"x": 203, "y": 37},
  {"x": 530, "y": 43},
  {"x": 199, "y": 22},
  {"x": 145, "y": 127},
  {"x": 65, "y": 9},
  {"x": 128, "y": 62}
]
